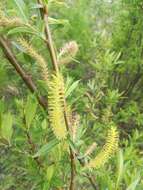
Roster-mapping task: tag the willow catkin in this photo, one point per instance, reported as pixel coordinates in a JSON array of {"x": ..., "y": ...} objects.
[
  {"x": 67, "y": 52},
  {"x": 6, "y": 22},
  {"x": 56, "y": 106},
  {"x": 108, "y": 150},
  {"x": 39, "y": 59}
]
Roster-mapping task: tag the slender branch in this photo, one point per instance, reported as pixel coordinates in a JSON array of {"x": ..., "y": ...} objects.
[
  {"x": 49, "y": 40},
  {"x": 87, "y": 175},
  {"x": 132, "y": 84},
  {"x": 5, "y": 44},
  {"x": 72, "y": 155},
  {"x": 73, "y": 170},
  {"x": 90, "y": 178},
  {"x": 41, "y": 8},
  {"x": 50, "y": 46}
]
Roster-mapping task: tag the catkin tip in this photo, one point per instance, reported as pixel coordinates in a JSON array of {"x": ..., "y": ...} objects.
[{"x": 108, "y": 150}]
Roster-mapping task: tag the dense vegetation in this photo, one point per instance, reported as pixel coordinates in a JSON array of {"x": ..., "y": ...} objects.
[{"x": 71, "y": 105}]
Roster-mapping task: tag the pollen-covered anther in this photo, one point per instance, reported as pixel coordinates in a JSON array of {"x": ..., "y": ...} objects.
[
  {"x": 38, "y": 58},
  {"x": 107, "y": 151},
  {"x": 6, "y": 22},
  {"x": 56, "y": 106}
]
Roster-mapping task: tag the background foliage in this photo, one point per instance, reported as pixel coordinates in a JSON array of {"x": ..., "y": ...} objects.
[{"x": 104, "y": 85}]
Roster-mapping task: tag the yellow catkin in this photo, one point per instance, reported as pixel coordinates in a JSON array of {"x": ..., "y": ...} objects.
[
  {"x": 6, "y": 22},
  {"x": 108, "y": 150},
  {"x": 56, "y": 106},
  {"x": 35, "y": 55}
]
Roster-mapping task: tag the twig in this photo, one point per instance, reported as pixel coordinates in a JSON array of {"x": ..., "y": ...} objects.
[
  {"x": 49, "y": 42},
  {"x": 5, "y": 44},
  {"x": 73, "y": 170},
  {"x": 72, "y": 156},
  {"x": 41, "y": 8},
  {"x": 50, "y": 46},
  {"x": 88, "y": 176}
]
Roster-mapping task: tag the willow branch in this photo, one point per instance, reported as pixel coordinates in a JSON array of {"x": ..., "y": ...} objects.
[
  {"x": 90, "y": 178},
  {"x": 50, "y": 46},
  {"x": 49, "y": 40},
  {"x": 41, "y": 8},
  {"x": 6, "y": 46}
]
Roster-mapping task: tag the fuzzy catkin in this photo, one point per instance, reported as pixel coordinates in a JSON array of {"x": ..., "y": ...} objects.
[
  {"x": 70, "y": 48},
  {"x": 56, "y": 106},
  {"x": 6, "y": 22},
  {"x": 74, "y": 127},
  {"x": 68, "y": 52},
  {"x": 40, "y": 60},
  {"x": 108, "y": 150}
]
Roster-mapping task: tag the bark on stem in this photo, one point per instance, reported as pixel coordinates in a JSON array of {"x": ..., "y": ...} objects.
[
  {"x": 5, "y": 44},
  {"x": 50, "y": 46},
  {"x": 49, "y": 42}
]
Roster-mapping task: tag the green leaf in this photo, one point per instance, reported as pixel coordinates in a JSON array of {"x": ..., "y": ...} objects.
[
  {"x": 57, "y": 3},
  {"x": 71, "y": 88},
  {"x": 58, "y": 21},
  {"x": 50, "y": 172},
  {"x": 2, "y": 106},
  {"x": 6, "y": 127},
  {"x": 120, "y": 168},
  {"x": 57, "y": 182},
  {"x": 21, "y": 29},
  {"x": 46, "y": 148},
  {"x": 44, "y": 124},
  {"x": 30, "y": 110},
  {"x": 134, "y": 184},
  {"x": 22, "y": 8}
]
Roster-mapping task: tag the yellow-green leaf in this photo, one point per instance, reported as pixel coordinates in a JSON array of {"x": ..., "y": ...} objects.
[
  {"x": 30, "y": 110},
  {"x": 6, "y": 127}
]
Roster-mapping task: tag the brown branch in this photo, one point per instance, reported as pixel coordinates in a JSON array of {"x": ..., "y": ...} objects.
[
  {"x": 41, "y": 8},
  {"x": 87, "y": 175},
  {"x": 50, "y": 46},
  {"x": 72, "y": 155},
  {"x": 6, "y": 46},
  {"x": 73, "y": 170},
  {"x": 90, "y": 178},
  {"x": 49, "y": 40}
]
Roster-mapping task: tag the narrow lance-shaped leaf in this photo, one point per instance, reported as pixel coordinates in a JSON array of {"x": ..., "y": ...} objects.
[
  {"x": 30, "y": 110},
  {"x": 107, "y": 151},
  {"x": 134, "y": 184},
  {"x": 46, "y": 148},
  {"x": 120, "y": 168},
  {"x": 22, "y": 8},
  {"x": 6, "y": 127}
]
